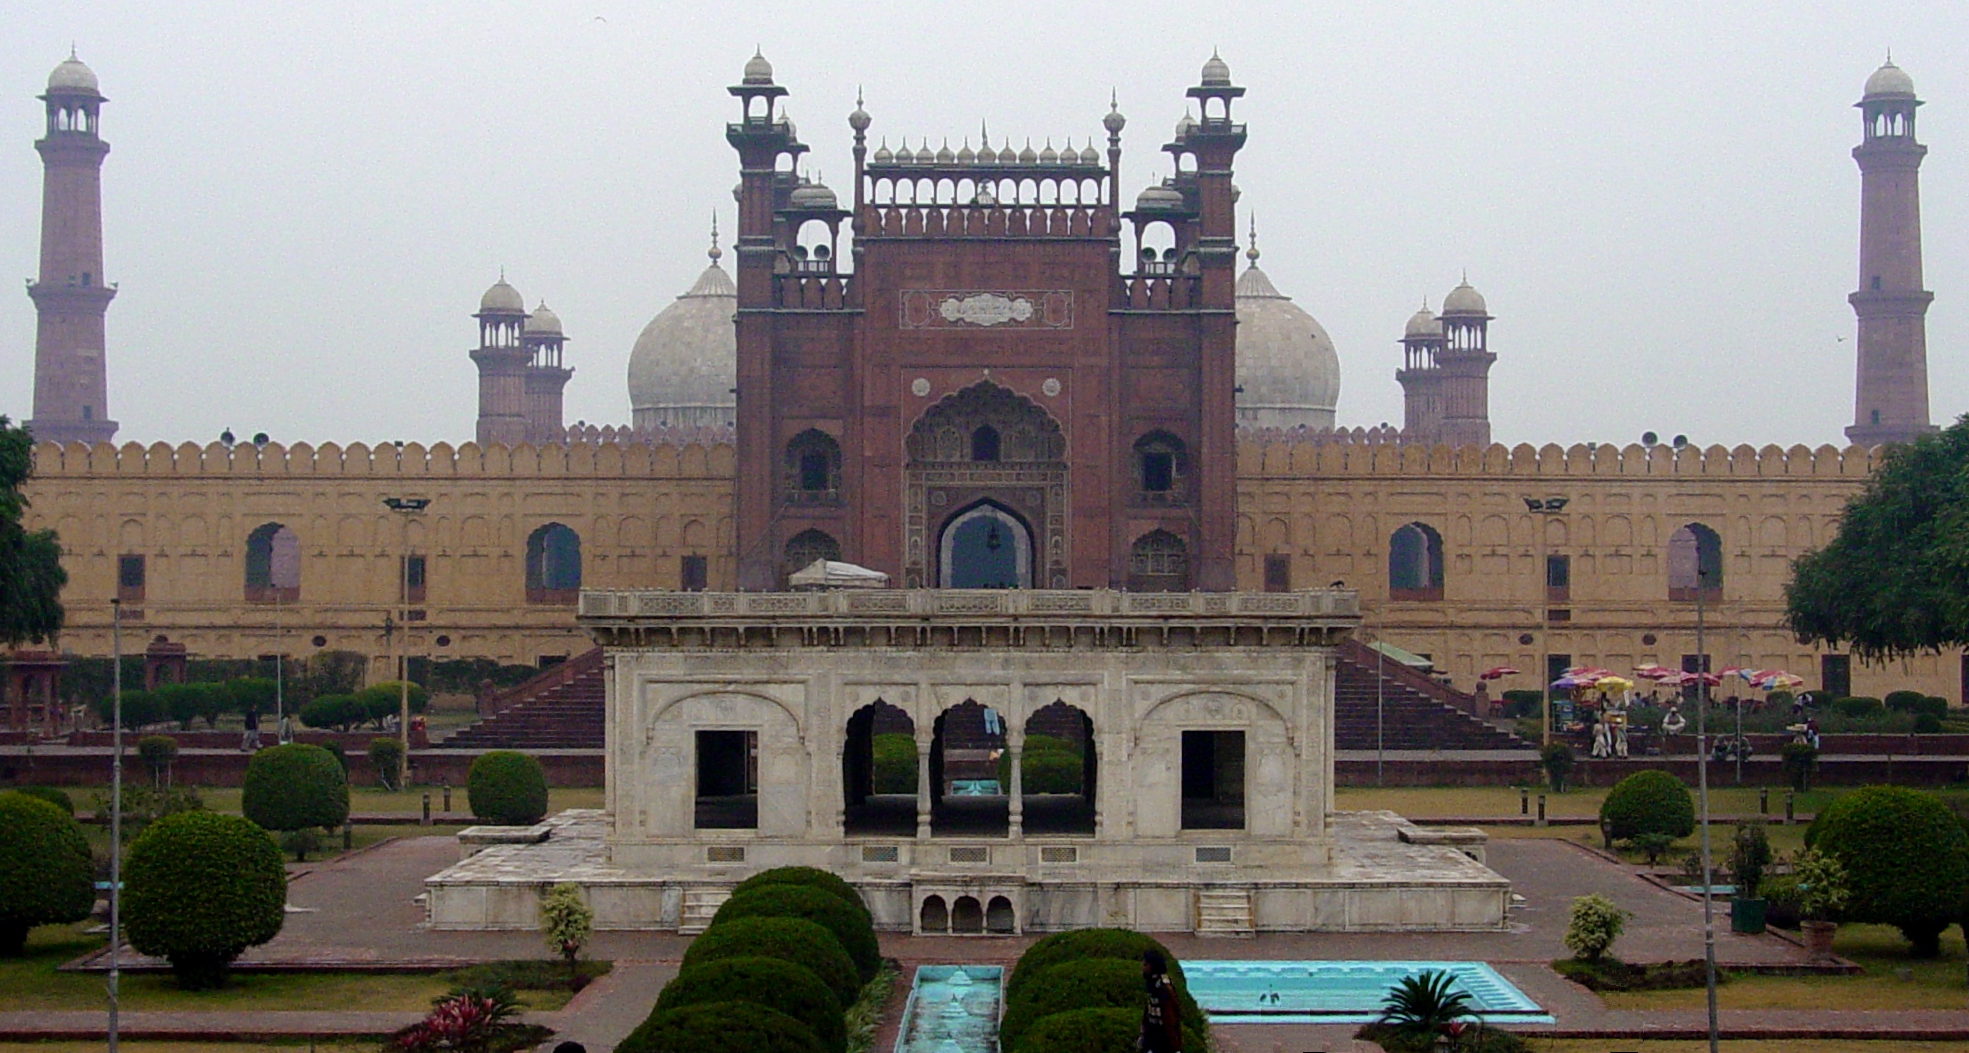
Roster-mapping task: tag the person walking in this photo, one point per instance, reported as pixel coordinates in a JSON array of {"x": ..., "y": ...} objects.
[
  {"x": 1162, "y": 1017},
  {"x": 249, "y": 739}
]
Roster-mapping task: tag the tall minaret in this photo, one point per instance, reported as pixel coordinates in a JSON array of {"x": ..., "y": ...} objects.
[
  {"x": 502, "y": 360},
  {"x": 545, "y": 375},
  {"x": 71, "y": 383},
  {"x": 1465, "y": 360},
  {"x": 1890, "y": 401}
]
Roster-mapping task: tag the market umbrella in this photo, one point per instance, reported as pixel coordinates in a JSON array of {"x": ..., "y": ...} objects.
[
  {"x": 1614, "y": 683},
  {"x": 1496, "y": 671},
  {"x": 1653, "y": 672},
  {"x": 1778, "y": 680}
]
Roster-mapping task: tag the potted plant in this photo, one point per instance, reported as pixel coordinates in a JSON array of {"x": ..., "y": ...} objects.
[
  {"x": 1750, "y": 853},
  {"x": 1821, "y": 896},
  {"x": 1557, "y": 760}
]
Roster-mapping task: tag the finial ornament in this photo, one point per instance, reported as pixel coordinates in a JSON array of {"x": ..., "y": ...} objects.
[
  {"x": 715, "y": 251},
  {"x": 1252, "y": 252}
]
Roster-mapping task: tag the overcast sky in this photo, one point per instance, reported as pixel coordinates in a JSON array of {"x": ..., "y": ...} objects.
[{"x": 304, "y": 201}]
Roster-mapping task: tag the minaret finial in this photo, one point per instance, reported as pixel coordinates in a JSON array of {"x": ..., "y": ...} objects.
[
  {"x": 715, "y": 252},
  {"x": 502, "y": 272},
  {"x": 1251, "y": 253},
  {"x": 72, "y": 58}
]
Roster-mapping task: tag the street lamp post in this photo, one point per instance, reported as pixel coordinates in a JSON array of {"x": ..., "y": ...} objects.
[
  {"x": 406, "y": 507},
  {"x": 1542, "y": 508},
  {"x": 115, "y": 814},
  {"x": 1702, "y": 805}
]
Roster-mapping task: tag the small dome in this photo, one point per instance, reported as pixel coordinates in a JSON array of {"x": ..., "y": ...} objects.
[
  {"x": 813, "y": 196},
  {"x": 884, "y": 155},
  {"x": 1216, "y": 73},
  {"x": 543, "y": 322},
  {"x": 964, "y": 154},
  {"x": 1114, "y": 122},
  {"x": 859, "y": 120},
  {"x": 1159, "y": 198},
  {"x": 1464, "y": 300},
  {"x": 1288, "y": 373},
  {"x": 1028, "y": 156},
  {"x": 1089, "y": 156},
  {"x": 1423, "y": 323},
  {"x": 502, "y": 299},
  {"x": 1008, "y": 156},
  {"x": 944, "y": 156},
  {"x": 758, "y": 70},
  {"x": 1887, "y": 80},
  {"x": 685, "y": 362},
  {"x": 73, "y": 76},
  {"x": 1185, "y": 125},
  {"x": 1049, "y": 156}
]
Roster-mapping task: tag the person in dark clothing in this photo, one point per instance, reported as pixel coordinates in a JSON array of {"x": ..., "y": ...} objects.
[
  {"x": 250, "y": 739},
  {"x": 1162, "y": 1017}
]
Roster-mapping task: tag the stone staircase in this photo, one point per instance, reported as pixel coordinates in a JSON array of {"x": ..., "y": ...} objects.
[
  {"x": 1224, "y": 912},
  {"x": 1417, "y": 712},
  {"x": 562, "y": 708},
  {"x": 699, "y": 907}
]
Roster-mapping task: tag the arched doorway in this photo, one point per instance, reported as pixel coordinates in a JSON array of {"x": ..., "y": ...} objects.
[
  {"x": 998, "y": 458},
  {"x": 878, "y": 773},
  {"x": 1057, "y": 772},
  {"x": 985, "y": 547},
  {"x": 967, "y": 796}
]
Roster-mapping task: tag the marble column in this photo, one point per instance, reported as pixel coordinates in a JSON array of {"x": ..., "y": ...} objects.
[
  {"x": 1015, "y": 748},
  {"x": 923, "y": 789}
]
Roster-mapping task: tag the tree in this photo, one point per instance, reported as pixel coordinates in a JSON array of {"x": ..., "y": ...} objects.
[
  {"x": 46, "y": 873},
  {"x": 507, "y": 788},
  {"x": 567, "y": 922},
  {"x": 1895, "y": 579},
  {"x": 200, "y": 888},
  {"x": 1906, "y": 859},
  {"x": 1648, "y": 802},
  {"x": 31, "y": 574},
  {"x": 295, "y": 787}
]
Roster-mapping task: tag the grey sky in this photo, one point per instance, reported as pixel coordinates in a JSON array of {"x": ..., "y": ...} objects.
[{"x": 304, "y": 202}]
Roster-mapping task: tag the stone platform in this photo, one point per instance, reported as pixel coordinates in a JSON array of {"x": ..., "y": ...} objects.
[{"x": 1383, "y": 876}]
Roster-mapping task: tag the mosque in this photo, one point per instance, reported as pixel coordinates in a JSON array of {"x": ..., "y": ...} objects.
[{"x": 1125, "y": 406}]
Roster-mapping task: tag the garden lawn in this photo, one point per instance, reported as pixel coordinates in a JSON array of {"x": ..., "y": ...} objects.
[
  {"x": 127, "y": 1046},
  {"x": 1936, "y": 983},
  {"x": 1478, "y": 802},
  {"x": 371, "y": 800},
  {"x": 1739, "y": 1045},
  {"x": 33, "y": 982}
]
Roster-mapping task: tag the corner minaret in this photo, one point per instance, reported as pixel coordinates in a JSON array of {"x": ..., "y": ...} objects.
[
  {"x": 545, "y": 375},
  {"x": 503, "y": 360},
  {"x": 1890, "y": 401},
  {"x": 1465, "y": 360},
  {"x": 71, "y": 382}
]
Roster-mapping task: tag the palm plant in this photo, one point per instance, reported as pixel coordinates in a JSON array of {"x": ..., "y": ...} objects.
[{"x": 1425, "y": 1004}]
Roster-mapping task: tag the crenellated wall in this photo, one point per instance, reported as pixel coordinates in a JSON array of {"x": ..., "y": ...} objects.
[{"x": 1325, "y": 503}]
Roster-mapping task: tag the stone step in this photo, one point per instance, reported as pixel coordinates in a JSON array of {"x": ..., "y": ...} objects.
[
  {"x": 699, "y": 907},
  {"x": 1224, "y": 912}
]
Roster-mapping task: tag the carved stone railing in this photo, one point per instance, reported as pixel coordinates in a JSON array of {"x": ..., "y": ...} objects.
[{"x": 966, "y": 617}]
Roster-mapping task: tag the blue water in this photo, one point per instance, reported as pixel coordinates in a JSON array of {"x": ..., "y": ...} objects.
[
  {"x": 1340, "y": 992},
  {"x": 1714, "y": 890},
  {"x": 951, "y": 1009}
]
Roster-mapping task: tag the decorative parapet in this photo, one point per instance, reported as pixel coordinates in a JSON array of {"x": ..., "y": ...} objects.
[
  {"x": 951, "y": 618},
  {"x": 1274, "y": 453}
]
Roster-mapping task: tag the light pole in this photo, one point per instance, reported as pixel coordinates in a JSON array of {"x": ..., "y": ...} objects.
[
  {"x": 406, "y": 507},
  {"x": 1542, "y": 509},
  {"x": 115, "y": 811},
  {"x": 1702, "y": 804}
]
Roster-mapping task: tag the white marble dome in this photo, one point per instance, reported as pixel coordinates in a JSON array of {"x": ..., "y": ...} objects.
[
  {"x": 1288, "y": 373},
  {"x": 502, "y": 299},
  {"x": 685, "y": 363},
  {"x": 543, "y": 322},
  {"x": 1464, "y": 300},
  {"x": 1424, "y": 324},
  {"x": 1887, "y": 80},
  {"x": 73, "y": 76}
]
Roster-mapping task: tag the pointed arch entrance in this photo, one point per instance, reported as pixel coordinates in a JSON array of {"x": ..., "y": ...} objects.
[{"x": 984, "y": 458}]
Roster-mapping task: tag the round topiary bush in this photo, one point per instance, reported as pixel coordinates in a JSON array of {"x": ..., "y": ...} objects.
[
  {"x": 200, "y": 888},
  {"x": 1857, "y": 706},
  {"x": 1126, "y": 944},
  {"x": 46, "y": 873},
  {"x": 58, "y": 798},
  {"x": 849, "y": 926},
  {"x": 295, "y": 787},
  {"x": 1903, "y": 701},
  {"x": 507, "y": 788},
  {"x": 1090, "y": 983},
  {"x": 1084, "y": 1031},
  {"x": 340, "y": 712},
  {"x": 893, "y": 763},
  {"x": 720, "y": 1027},
  {"x": 1648, "y": 802},
  {"x": 1906, "y": 859},
  {"x": 806, "y": 877},
  {"x": 769, "y": 982},
  {"x": 795, "y": 940}
]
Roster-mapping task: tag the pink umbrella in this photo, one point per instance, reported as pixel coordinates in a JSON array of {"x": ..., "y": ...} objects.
[
  {"x": 1653, "y": 672},
  {"x": 1496, "y": 671}
]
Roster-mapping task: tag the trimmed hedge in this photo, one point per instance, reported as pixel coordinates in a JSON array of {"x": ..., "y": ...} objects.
[
  {"x": 720, "y": 1027},
  {"x": 794, "y": 940},
  {"x": 893, "y": 763},
  {"x": 1087, "y": 943},
  {"x": 849, "y": 926},
  {"x": 1857, "y": 706},
  {"x": 1047, "y": 764},
  {"x": 1648, "y": 802},
  {"x": 769, "y": 982},
  {"x": 507, "y": 788},
  {"x": 806, "y": 877},
  {"x": 294, "y": 787},
  {"x": 1084, "y": 1031},
  {"x": 381, "y": 701},
  {"x": 1090, "y": 983},
  {"x": 200, "y": 888},
  {"x": 341, "y": 712},
  {"x": 1906, "y": 858},
  {"x": 46, "y": 872},
  {"x": 58, "y": 798}
]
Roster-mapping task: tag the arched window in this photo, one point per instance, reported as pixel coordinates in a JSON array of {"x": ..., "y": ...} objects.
[
  {"x": 553, "y": 565},
  {"x": 1161, "y": 469},
  {"x": 985, "y": 547},
  {"x": 1415, "y": 563},
  {"x": 809, "y": 545},
  {"x": 273, "y": 565},
  {"x": 1159, "y": 562},
  {"x": 984, "y": 443},
  {"x": 1695, "y": 561},
  {"x": 813, "y": 469}
]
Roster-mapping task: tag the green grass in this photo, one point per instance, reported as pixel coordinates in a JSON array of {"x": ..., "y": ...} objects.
[
  {"x": 372, "y": 800},
  {"x": 1789, "y": 1045},
  {"x": 33, "y": 982},
  {"x": 1502, "y": 801},
  {"x": 1891, "y": 980},
  {"x": 293, "y": 1046}
]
